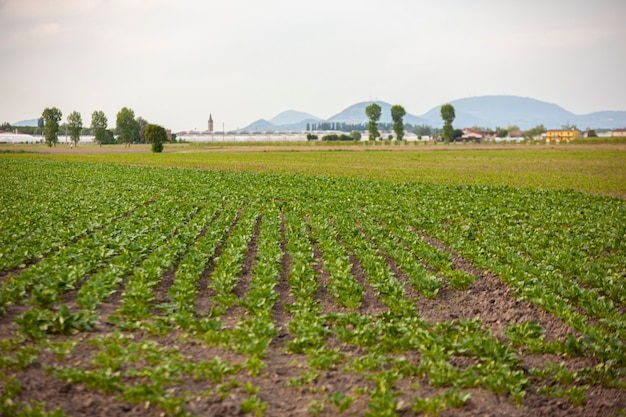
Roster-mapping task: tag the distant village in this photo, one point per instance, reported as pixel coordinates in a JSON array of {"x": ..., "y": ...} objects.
[
  {"x": 327, "y": 131},
  {"x": 465, "y": 135},
  {"x": 339, "y": 132}
]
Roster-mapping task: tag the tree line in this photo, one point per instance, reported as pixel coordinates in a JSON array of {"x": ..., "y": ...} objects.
[
  {"x": 374, "y": 127},
  {"x": 128, "y": 128}
]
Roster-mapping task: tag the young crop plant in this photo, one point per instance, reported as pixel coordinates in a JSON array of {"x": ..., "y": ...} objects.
[
  {"x": 253, "y": 404},
  {"x": 435, "y": 405},
  {"x": 138, "y": 294},
  {"x": 403, "y": 255},
  {"x": 308, "y": 325},
  {"x": 267, "y": 266},
  {"x": 340, "y": 400},
  {"x": 343, "y": 286},
  {"x": 38, "y": 323},
  {"x": 380, "y": 276},
  {"x": 230, "y": 263},
  {"x": 183, "y": 291},
  {"x": 96, "y": 237},
  {"x": 81, "y": 207}
]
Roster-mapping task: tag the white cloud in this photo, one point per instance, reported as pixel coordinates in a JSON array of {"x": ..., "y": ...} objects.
[{"x": 44, "y": 29}]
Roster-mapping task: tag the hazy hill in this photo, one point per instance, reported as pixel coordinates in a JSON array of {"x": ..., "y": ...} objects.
[
  {"x": 29, "y": 122},
  {"x": 356, "y": 114},
  {"x": 503, "y": 111},
  {"x": 484, "y": 111},
  {"x": 292, "y": 120},
  {"x": 261, "y": 125},
  {"x": 291, "y": 117}
]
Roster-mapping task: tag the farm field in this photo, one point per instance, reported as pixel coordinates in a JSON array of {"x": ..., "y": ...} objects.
[
  {"x": 258, "y": 286},
  {"x": 590, "y": 168}
]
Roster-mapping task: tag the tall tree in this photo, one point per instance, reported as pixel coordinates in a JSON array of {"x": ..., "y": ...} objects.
[
  {"x": 99, "y": 126},
  {"x": 156, "y": 135},
  {"x": 41, "y": 122},
  {"x": 126, "y": 124},
  {"x": 52, "y": 117},
  {"x": 447, "y": 114},
  {"x": 140, "y": 129},
  {"x": 397, "y": 114},
  {"x": 75, "y": 125},
  {"x": 373, "y": 112},
  {"x": 536, "y": 131}
]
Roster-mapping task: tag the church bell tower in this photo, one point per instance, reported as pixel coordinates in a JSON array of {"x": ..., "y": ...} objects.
[{"x": 210, "y": 123}]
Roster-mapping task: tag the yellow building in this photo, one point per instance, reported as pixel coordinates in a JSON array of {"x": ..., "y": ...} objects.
[{"x": 563, "y": 134}]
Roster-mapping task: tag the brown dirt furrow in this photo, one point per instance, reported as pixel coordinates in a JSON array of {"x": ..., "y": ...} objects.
[
  {"x": 279, "y": 313},
  {"x": 203, "y": 303},
  {"x": 244, "y": 280},
  {"x": 489, "y": 299},
  {"x": 75, "y": 399},
  {"x": 322, "y": 295}
]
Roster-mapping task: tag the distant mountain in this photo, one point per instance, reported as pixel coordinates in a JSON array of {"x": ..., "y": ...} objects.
[
  {"x": 484, "y": 111},
  {"x": 503, "y": 111},
  {"x": 356, "y": 114},
  {"x": 29, "y": 122},
  {"x": 286, "y": 121},
  {"x": 261, "y": 125},
  {"x": 602, "y": 119},
  {"x": 291, "y": 117}
]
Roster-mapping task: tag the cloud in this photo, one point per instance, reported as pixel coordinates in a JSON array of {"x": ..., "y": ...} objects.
[
  {"x": 35, "y": 9},
  {"x": 45, "y": 29}
]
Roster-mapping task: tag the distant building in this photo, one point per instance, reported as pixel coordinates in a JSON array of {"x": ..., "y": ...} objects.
[
  {"x": 473, "y": 134},
  {"x": 562, "y": 134},
  {"x": 618, "y": 132},
  {"x": 210, "y": 123}
]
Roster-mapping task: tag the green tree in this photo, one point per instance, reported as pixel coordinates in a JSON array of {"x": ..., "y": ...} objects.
[
  {"x": 140, "y": 130},
  {"x": 373, "y": 112},
  {"x": 99, "y": 127},
  {"x": 447, "y": 114},
  {"x": 397, "y": 114},
  {"x": 156, "y": 135},
  {"x": 502, "y": 132},
  {"x": 75, "y": 125},
  {"x": 52, "y": 117},
  {"x": 535, "y": 131},
  {"x": 126, "y": 124},
  {"x": 41, "y": 122},
  {"x": 423, "y": 130},
  {"x": 513, "y": 128},
  {"x": 356, "y": 135}
]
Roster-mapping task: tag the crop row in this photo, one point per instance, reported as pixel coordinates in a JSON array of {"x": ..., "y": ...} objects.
[{"x": 203, "y": 230}]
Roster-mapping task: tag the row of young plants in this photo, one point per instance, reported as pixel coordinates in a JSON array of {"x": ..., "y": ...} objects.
[
  {"x": 143, "y": 372},
  {"x": 62, "y": 270},
  {"x": 389, "y": 334},
  {"x": 184, "y": 290},
  {"x": 402, "y": 331},
  {"x": 60, "y": 215},
  {"x": 343, "y": 285},
  {"x": 54, "y": 277},
  {"x": 196, "y": 215},
  {"x": 489, "y": 241}
]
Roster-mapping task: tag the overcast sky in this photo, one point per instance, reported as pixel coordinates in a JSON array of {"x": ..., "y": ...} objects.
[{"x": 175, "y": 61}]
